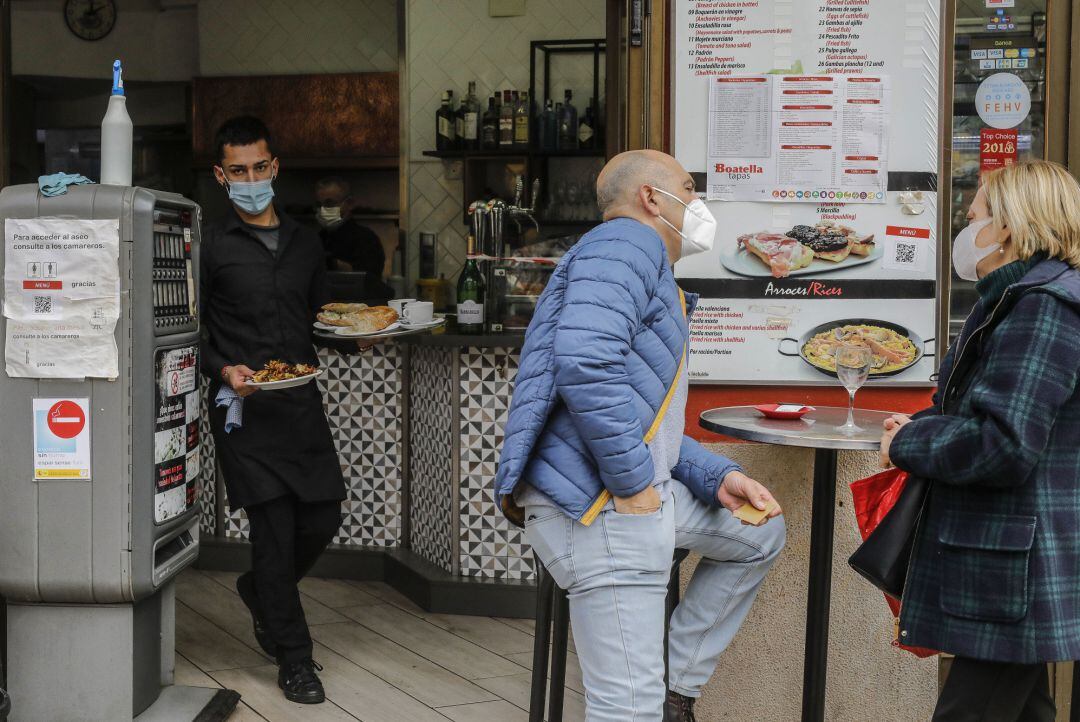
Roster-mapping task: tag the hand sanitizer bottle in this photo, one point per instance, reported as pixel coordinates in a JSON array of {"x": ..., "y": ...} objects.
[{"x": 116, "y": 135}]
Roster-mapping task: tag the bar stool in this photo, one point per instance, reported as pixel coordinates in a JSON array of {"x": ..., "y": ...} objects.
[{"x": 553, "y": 619}]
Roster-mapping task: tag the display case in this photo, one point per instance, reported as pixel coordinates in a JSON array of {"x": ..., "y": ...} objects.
[{"x": 519, "y": 280}]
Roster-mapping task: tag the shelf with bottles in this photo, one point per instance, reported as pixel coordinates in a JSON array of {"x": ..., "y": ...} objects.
[{"x": 500, "y": 153}]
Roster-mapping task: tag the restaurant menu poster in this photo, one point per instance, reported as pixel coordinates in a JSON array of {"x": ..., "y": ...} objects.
[
  {"x": 796, "y": 138},
  {"x": 812, "y": 132},
  {"x": 61, "y": 297},
  {"x": 176, "y": 432}
]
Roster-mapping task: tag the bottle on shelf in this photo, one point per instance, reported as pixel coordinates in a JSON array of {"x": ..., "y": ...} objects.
[
  {"x": 546, "y": 127},
  {"x": 568, "y": 124},
  {"x": 470, "y": 114},
  {"x": 445, "y": 124},
  {"x": 521, "y": 122},
  {"x": 587, "y": 128},
  {"x": 470, "y": 293},
  {"x": 489, "y": 134},
  {"x": 506, "y": 121},
  {"x": 459, "y": 122}
]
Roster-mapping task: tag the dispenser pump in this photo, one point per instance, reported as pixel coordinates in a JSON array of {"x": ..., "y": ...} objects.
[{"x": 116, "y": 135}]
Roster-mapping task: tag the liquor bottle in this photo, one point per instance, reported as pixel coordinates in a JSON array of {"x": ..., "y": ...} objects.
[
  {"x": 459, "y": 122},
  {"x": 587, "y": 129},
  {"x": 521, "y": 122},
  {"x": 545, "y": 127},
  {"x": 470, "y": 293},
  {"x": 489, "y": 136},
  {"x": 444, "y": 124},
  {"x": 506, "y": 121},
  {"x": 471, "y": 119},
  {"x": 568, "y": 124}
]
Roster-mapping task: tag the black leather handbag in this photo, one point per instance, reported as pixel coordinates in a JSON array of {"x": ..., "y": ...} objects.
[{"x": 883, "y": 558}]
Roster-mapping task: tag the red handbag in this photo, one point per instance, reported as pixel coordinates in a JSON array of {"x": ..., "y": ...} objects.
[{"x": 873, "y": 497}]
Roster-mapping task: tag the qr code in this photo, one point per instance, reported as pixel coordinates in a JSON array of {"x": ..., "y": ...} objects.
[
  {"x": 43, "y": 304},
  {"x": 905, "y": 253}
]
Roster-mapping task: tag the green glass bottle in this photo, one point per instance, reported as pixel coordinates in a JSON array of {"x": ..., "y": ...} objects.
[{"x": 470, "y": 293}]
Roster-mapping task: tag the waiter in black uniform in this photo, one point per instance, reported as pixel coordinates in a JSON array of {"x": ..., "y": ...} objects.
[{"x": 263, "y": 280}]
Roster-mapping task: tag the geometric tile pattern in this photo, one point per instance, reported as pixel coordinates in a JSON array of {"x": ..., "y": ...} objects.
[
  {"x": 451, "y": 43},
  {"x": 489, "y": 546},
  {"x": 362, "y": 398},
  {"x": 274, "y": 37},
  {"x": 432, "y": 475},
  {"x": 208, "y": 468}
]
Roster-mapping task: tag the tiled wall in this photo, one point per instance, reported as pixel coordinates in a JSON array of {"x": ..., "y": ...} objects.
[
  {"x": 276, "y": 37},
  {"x": 451, "y": 43}
]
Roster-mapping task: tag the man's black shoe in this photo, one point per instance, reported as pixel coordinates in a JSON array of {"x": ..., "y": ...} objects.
[
  {"x": 245, "y": 587},
  {"x": 678, "y": 708},
  {"x": 300, "y": 683}
]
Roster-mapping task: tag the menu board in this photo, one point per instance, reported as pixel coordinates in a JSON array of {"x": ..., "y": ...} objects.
[
  {"x": 812, "y": 130},
  {"x": 176, "y": 432}
]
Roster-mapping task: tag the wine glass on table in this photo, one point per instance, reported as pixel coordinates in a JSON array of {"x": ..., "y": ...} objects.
[{"x": 852, "y": 368}]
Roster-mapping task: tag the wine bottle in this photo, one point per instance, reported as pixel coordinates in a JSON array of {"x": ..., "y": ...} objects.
[
  {"x": 489, "y": 136},
  {"x": 471, "y": 119},
  {"x": 470, "y": 293},
  {"x": 587, "y": 128},
  {"x": 506, "y": 121},
  {"x": 459, "y": 122},
  {"x": 444, "y": 124},
  {"x": 521, "y": 122},
  {"x": 568, "y": 124}
]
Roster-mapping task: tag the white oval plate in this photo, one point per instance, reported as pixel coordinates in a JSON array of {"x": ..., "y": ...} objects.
[
  {"x": 348, "y": 332},
  {"x": 744, "y": 263},
  {"x": 325, "y": 326},
  {"x": 286, "y": 384},
  {"x": 433, "y": 323}
]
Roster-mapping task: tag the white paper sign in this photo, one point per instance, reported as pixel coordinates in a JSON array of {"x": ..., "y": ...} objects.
[
  {"x": 62, "y": 439},
  {"x": 61, "y": 297}
]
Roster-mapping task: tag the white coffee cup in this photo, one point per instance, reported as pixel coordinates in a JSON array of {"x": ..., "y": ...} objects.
[
  {"x": 398, "y": 304},
  {"x": 418, "y": 312}
]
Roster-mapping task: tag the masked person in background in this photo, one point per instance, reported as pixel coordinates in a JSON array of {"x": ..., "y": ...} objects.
[
  {"x": 262, "y": 281},
  {"x": 349, "y": 245},
  {"x": 596, "y": 466}
]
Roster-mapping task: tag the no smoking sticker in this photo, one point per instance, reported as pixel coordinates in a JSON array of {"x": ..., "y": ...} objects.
[{"x": 62, "y": 439}]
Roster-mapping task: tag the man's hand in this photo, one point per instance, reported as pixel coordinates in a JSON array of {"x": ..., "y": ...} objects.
[
  {"x": 738, "y": 489},
  {"x": 235, "y": 376},
  {"x": 366, "y": 345},
  {"x": 645, "y": 501},
  {"x": 893, "y": 424}
]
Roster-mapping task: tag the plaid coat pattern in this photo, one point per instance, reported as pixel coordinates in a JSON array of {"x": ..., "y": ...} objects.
[{"x": 995, "y": 569}]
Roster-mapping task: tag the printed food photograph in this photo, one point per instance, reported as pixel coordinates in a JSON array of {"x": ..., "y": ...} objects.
[
  {"x": 803, "y": 250},
  {"x": 894, "y": 348}
]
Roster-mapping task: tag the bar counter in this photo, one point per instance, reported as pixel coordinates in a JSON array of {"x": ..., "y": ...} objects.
[{"x": 418, "y": 422}]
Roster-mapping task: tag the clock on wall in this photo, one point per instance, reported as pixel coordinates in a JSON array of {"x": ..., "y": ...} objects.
[{"x": 90, "y": 19}]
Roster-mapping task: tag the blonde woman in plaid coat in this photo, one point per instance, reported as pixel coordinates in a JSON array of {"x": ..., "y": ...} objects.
[{"x": 995, "y": 571}]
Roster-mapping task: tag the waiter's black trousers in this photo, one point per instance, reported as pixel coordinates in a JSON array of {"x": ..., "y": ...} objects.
[
  {"x": 287, "y": 536},
  {"x": 978, "y": 691}
]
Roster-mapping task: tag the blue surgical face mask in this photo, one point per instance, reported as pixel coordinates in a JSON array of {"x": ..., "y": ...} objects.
[{"x": 251, "y": 198}]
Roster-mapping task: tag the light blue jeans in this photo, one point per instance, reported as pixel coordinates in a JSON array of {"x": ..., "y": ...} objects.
[{"x": 616, "y": 573}]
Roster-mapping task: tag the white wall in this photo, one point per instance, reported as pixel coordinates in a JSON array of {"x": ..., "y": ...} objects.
[
  {"x": 279, "y": 37},
  {"x": 449, "y": 43},
  {"x": 154, "y": 44}
]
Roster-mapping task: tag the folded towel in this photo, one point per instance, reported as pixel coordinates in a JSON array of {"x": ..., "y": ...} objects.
[
  {"x": 234, "y": 414},
  {"x": 57, "y": 183}
]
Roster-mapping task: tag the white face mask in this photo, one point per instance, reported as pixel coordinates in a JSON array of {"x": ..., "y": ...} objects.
[
  {"x": 329, "y": 216},
  {"x": 698, "y": 226},
  {"x": 966, "y": 255}
]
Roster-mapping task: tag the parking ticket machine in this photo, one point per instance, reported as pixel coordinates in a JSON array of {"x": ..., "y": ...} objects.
[{"x": 99, "y": 447}]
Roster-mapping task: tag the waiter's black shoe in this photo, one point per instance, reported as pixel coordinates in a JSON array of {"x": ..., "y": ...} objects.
[
  {"x": 245, "y": 587},
  {"x": 300, "y": 683},
  {"x": 678, "y": 708}
]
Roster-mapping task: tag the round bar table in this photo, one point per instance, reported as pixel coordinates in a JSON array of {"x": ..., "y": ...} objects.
[{"x": 818, "y": 431}]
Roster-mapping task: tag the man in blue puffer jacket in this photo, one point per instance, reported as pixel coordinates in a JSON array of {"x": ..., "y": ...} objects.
[{"x": 596, "y": 466}]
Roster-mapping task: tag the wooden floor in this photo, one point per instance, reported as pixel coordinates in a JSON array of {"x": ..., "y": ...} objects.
[{"x": 385, "y": 659}]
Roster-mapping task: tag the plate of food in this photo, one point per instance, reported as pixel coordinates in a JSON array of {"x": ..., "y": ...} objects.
[
  {"x": 355, "y": 320},
  {"x": 802, "y": 251},
  {"x": 894, "y": 348},
  {"x": 281, "y": 375},
  {"x": 337, "y": 315},
  {"x": 360, "y": 332}
]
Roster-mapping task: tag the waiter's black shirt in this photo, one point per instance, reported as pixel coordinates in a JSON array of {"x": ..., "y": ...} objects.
[{"x": 357, "y": 245}]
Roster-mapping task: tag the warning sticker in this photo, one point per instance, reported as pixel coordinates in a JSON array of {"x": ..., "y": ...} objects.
[{"x": 62, "y": 439}]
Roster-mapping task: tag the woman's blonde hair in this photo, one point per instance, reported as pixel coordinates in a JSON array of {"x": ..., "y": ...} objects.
[{"x": 1039, "y": 202}]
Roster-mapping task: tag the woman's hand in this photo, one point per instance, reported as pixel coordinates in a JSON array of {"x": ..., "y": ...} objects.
[{"x": 893, "y": 424}]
